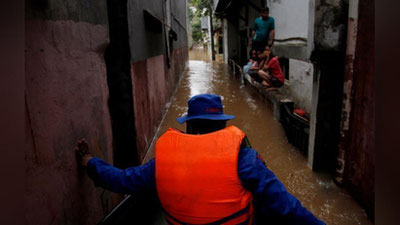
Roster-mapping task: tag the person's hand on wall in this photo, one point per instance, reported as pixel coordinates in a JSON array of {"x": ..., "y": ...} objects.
[{"x": 82, "y": 150}]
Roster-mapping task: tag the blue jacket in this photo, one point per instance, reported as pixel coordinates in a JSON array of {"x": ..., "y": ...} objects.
[{"x": 271, "y": 200}]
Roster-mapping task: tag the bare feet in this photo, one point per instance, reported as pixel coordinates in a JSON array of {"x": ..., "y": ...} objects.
[
  {"x": 264, "y": 83},
  {"x": 82, "y": 150}
]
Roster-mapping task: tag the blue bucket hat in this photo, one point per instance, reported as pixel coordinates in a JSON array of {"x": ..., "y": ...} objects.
[{"x": 205, "y": 106}]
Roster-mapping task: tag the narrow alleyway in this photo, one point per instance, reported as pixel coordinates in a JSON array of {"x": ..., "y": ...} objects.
[{"x": 316, "y": 191}]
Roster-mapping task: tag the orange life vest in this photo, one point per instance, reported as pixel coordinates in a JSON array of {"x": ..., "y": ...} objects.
[{"x": 197, "y": 180}]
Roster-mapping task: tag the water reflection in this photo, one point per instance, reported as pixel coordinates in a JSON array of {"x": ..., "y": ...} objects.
[
  {"x": 200, "y": 78},
  {"x": 199, "y": 53}
]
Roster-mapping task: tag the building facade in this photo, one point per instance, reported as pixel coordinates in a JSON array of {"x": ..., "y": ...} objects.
[
  {"x": 323, "y": 48},
  {"x": 103, "y": 70}
]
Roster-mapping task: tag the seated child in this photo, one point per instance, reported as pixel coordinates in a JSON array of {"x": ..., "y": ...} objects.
[
  {"x": 253, "y": 58},
  {"x": 271, "y": 72},
  {"x": 256, "y": 66}
]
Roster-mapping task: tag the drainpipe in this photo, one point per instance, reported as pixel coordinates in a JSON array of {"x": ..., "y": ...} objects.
[{"x": 347, "y": 90}]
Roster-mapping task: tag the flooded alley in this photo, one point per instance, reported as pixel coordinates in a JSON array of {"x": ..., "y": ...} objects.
[
  {"x": 316, "y": 191},
  {"x": 104, "y": 79}
]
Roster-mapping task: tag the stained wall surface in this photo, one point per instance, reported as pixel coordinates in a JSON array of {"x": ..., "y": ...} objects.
[
  {"x": 359, "y": 173},
  {"x": 301, "y": 83},
  {"x": 157, "y": 61},
  {"x": 330, "y": 27},
  {"x": 148, "y": 32},
  {"x": 66, "y": 98},
  {"x": 153, "y": 86}
]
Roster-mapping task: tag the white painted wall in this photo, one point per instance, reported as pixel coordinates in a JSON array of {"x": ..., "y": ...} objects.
[
  {"x": 230, "y": 40},
  {"x": 291, "y": 18},
  {"x": 301, "y": 83},
  {"x": 295, "y": 18}
]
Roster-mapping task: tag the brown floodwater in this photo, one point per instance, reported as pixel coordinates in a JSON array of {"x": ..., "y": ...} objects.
[{"x": 316, "y": 191}]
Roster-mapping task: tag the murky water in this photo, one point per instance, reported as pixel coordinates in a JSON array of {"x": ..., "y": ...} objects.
[
  {"x": 200, "y": 53},
  {"x": 317, "y": 192}
]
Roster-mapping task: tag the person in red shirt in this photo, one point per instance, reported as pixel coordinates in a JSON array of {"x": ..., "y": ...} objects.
[{"x": 271, "y": 72}]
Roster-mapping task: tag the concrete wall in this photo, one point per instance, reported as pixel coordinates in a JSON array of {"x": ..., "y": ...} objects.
[
  {"x": 358, "y": 129},
  {"x": 291, "y": 18},
  {"x": 331, "y": 24},
  {"x": 301, "y": 83},
  {"x": 145, "y": 43},
  {"x": 153, "y": 85},
  {"x": 154, "y": 70},
  {"x": 66, "y": 97},
  {"x": 292, "y": 21},
  {"x": 328, "y": 59},
  {"x": 70, "y": 71},
  {"x": 179, "y": 22},
  {"x": 230, "y": 40}
]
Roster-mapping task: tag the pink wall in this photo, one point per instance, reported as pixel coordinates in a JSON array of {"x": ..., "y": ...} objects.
[
  {"x": 66, "y": 98},
  {"x": 153, "y": 86}
]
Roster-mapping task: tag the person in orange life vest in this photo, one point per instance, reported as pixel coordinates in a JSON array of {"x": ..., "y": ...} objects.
[
  {"x": 208, "y": 175},
  {"x": 271, "y": 71}
]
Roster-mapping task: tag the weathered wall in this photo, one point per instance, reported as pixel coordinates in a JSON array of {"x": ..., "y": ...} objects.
[
  {"x": 66, "y": 98},
  {"x": 328, "y": 60},
  {"x": 301, "y": 83},
  {"x": 293, "y": 33},
  {"x": 155, "y": 71},
  {"x": 230, "y": 40},
  {"x": 330, "y": 24},
  {"x": 153, "y": 85},
  {"x": 178, "y": 23},
  {"x": 146, "y": 43},
  {"x": 359, "y": 171}
]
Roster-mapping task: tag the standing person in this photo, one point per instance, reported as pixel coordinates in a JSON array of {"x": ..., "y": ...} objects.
[
  {"x": 263, "y": 31},
  {"x": 271, "y": 72},
  {"x": 208, "y": 175}
]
